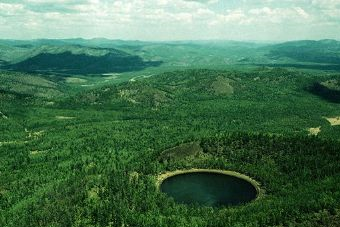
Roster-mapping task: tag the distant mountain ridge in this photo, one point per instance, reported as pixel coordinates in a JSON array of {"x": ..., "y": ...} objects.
[
  {"x": 322, "y": 51},
  {"x": 77, "y": 59},
  {"x": 97, "y": 56}
]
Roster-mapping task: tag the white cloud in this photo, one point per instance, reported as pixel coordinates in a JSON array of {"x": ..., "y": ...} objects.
[
  {"x": 139, "y": 19},
  {"x": 279, "y": 15},
  {"x": 10, "y": 9},
  {"x": 327, "y": 4},
  {"x": 302, "y": 12}
]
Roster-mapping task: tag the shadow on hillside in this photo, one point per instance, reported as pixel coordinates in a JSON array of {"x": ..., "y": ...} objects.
[
  {"x": 324, "y": 92},
  {"x": 83, "y": 64},
  {"x": 2, "y": 63},
  {"x": 303, "y": 66}
]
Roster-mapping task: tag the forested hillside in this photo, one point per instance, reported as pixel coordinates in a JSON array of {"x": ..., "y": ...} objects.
[
  {"x": 97, "y": 56},
  {"x": 91, "y": 157},
  {"x": 323, "y": 51},
  {"x": 77, "y": 59}
]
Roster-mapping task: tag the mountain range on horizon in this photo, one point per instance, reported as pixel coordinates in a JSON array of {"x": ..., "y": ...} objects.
[{"x": 104, "y": 56}]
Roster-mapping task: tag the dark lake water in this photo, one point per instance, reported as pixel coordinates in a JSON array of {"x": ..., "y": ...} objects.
[{"x": 208, "y": 189}]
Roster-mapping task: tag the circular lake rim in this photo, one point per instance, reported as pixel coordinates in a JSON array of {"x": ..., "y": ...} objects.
[{"x": 163, "y": 176}]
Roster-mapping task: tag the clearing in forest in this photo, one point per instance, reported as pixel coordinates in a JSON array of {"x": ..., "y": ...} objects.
[
  {"x": 11, "y": 142},
  {"x": 314, "y": 131},
  {"x": 75, "y": 80},
  {"x": 3, "y": 115},
  {"x": 221, "y": 86},
  {"x": 36, "y": 152},
  {"x": 64, "y": 117},
  {"x": 333, "y": 120}
]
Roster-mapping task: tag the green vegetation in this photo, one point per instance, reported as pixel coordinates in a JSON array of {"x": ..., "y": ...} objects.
[
  {"x": 97, "y": 56},
  {"x": 22, "y": 84},
  {"x": 187, "y": 150},
  {"x": 323, "y": 51},
  {"x": 329, "y": 90},
  {"x": 79, "y": 60},
  {"x": 85, "y": 150}
]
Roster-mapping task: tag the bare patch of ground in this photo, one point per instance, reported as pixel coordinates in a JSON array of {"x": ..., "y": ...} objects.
[
  {"x": 7, "y": 142},
  {"x": 113, "y": 75},
  {"x": 110, "y": 78},
  {"x": 87, "y": 85},
  {"x": 331, "y": 84},
  {"x": 334, "y": 121},
  {"x": 36, "y": 152},
  {"x": 3, "y": 191},
  {"x": 50, "y": 103},
  {"x": 64, "y": 117},
  {"x": 314, "y": 131},
  {"x": 93, "y": 193},
  {"x": 221, "y": 86},
  {"x": 147, "y": 76},
  {"x": 34, "y": 135},
  {"x": 187, "y": 150},
  {"x": 128, "y": 95},
  {"x": 75, "y": 80},
  {"x": 11, "y": 142},
  {"x": 133, "y": 176},
  {"x": 3, "y": 115}
]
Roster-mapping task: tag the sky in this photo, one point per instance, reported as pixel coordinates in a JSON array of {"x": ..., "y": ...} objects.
[{"x": 161, "y": 20}]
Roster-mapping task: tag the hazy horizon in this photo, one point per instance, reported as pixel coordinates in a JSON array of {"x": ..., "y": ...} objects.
[
  {"x": 165, "y": 41},
  {"x": 175, "y": 20}
]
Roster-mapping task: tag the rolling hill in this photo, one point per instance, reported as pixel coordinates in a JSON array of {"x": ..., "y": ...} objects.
[
  {"x": 92, "y": 157},
  {"x": 28, "y": 85},
  {"x": 323, "y": 51},
  {"x": 75, "y": 59},
  {"x": 96, "y": 56}
]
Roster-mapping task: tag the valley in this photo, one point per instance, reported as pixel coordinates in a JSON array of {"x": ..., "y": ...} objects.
[{"x": 87, "y": 126}]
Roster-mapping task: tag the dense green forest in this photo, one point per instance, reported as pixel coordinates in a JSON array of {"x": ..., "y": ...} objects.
[
  {"x": 76, "y": 59},
  {"x": 90, "y": 156},
  {"x": 97, "y": 56}
]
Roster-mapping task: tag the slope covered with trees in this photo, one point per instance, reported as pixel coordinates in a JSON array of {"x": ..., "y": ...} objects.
[
  {"x": 77, "y": 59},
  {"x": 96, "y": 56},
  {"x": 323, "y": 51},
  {"x": 92, "y": 158}
]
